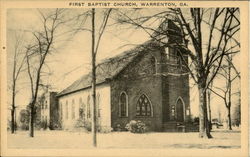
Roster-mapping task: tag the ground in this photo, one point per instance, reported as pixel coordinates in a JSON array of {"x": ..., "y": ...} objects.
[{"x": 82, "y": 140}]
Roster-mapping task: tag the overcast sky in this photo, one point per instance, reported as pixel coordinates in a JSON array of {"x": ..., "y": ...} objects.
[{"x": 72, "y": 57}]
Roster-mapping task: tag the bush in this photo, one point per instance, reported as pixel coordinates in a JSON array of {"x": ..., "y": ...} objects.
[
  {"x": 82, "y": 124},
  {"x": 44, "y": 125},
  {"x": 55, "y": 126},
  {"x": 24, "y": 126},
  {"x": 196, "y": 120},
  {"x": 118, "y": 127},
  {"x": 136, "y": 126},
  {"x": 87, "y": 125},
  {"x": 79, "y": 123}
]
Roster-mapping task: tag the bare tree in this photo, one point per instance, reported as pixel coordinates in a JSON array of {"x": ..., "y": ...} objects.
[
  {"x": 37, "y": 53},
  {"x": 225, "y": 93},
  {"x": 94, "y": 49},
  {"x": 18, "y": 62},
  {"x": 219, "y": 24}
]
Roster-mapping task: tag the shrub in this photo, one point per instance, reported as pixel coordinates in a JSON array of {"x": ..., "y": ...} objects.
[
  {"x": 118, "y": 127},
  {"x": 136, "y": 126},
  {"x": 83, "y": 124},
  {"x": 87, "y": 125},
  {"x": 44, "y": 125},
  {"x": 24, "y": 126},
  {"x": 196, "y": 120},
  {"x": 79, "y": 123}
]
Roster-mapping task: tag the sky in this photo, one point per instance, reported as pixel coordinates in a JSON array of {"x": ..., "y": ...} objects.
[{"x": 71, "y": 58}]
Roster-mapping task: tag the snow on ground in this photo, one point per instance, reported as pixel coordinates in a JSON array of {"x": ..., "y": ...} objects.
[{"x": 82, "y": 140}]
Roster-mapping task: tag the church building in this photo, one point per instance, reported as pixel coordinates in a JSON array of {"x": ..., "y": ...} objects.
[{"x": 148, "y": 83}]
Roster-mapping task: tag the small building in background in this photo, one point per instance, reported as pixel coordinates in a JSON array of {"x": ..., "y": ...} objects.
[{"x": 49, "y": 111}]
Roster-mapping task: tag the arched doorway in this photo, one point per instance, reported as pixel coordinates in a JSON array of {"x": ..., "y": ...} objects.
[{"x": 179, "y": 111}]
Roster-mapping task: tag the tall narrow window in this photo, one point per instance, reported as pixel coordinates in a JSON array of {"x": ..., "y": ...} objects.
[
  {"x": 88, "y": 107},
  {"x": 143, "y": 106},
  {"x": 98, "y": 105},
  {"x": 81, "y": 109},
  {"x": 123, "y": 105},
  {"x": 173, "y": 111},
  {"x": 73, "y": 109},
  {"x": 154, "y": 64},
  {"x": 66, "y": 110},
  {"x": 61, "y": 111},
  {"x": 167, "y": 53},
  {"x": 180, "y": 111},
  {"x": 46, "y": 105},
  {"x": 179, "y": 58}
]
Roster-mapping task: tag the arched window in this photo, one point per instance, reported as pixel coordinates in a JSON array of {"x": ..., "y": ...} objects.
[
  {"x": 123, "y": 105},
  {"x": 88, "y": 107},
  {"x": 143, "y": 106},
  {"x": 180, "y": 110}
]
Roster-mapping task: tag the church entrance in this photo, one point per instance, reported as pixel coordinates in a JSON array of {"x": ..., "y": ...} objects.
[{"x": 179, "y": 111}]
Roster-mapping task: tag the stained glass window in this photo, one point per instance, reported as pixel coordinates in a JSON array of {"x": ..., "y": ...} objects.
[{"x": 143, "y": 107}]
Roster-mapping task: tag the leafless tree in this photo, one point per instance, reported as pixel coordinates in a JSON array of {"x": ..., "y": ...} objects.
[
  {"x": 18, "y": 62},
  {"x": 37, "y": 52},
  {"x": 209, "y": 31},
  {"x": 225, "y": 93},
  {"x": 97, "y": 32},
  {"x": 94, "y": 49}
]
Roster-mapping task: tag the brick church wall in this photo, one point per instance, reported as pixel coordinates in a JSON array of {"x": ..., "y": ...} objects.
[
  {"x": 178, "y": 88},
  {"x": 134, "y": 89},
  {"x": 138, "y": 78},
  {"x": 162, "y": 81}
]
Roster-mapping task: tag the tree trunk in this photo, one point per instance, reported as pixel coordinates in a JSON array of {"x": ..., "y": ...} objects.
[
  {"x": 13, "y": 109},
  {"x": 209, "y": 109},
  {"x": 229, "y": 117},
  {"x": 229, "y": 92},
  {"x": 204, "y": 131},
  {"x": 31, "y": 122},
  {"x": 13, "y": 120},
  {"x": 93, "y": 81}
]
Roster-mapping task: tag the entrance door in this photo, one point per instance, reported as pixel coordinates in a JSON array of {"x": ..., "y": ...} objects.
[{"x": 180, "y": 111}]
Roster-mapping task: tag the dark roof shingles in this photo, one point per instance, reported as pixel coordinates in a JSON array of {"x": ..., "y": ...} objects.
[{"x": 109, "y": 68}]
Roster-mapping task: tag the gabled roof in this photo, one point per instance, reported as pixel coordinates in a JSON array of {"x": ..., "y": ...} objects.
[{"x": 107, "y": 69}]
